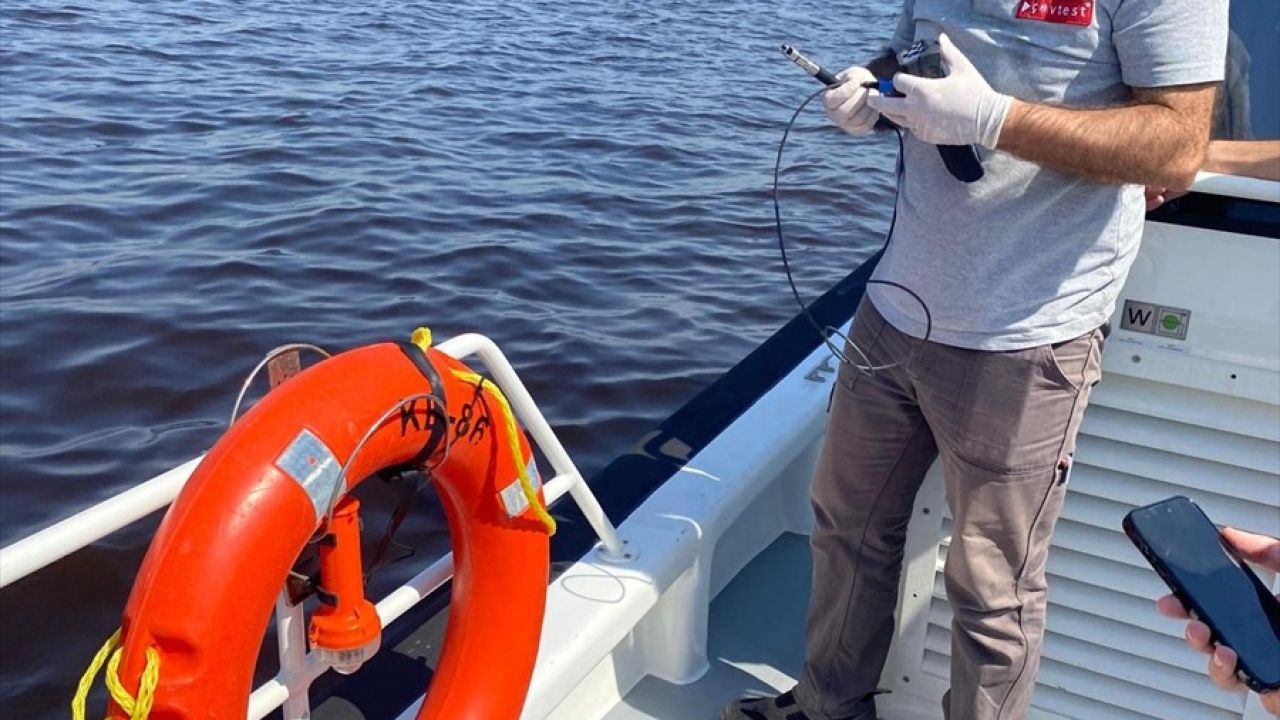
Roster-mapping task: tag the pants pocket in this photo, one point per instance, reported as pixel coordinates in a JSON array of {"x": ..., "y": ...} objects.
[
  {"x": 1019, "y": 409},
  {"x": 1066, "y": 363}
]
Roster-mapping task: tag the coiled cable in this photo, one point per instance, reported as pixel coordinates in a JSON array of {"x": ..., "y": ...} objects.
[{"x": 828, "y": 332}]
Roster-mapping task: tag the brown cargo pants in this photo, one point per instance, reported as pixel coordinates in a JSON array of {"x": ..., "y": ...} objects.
[{"x": 1005, "y": 426}]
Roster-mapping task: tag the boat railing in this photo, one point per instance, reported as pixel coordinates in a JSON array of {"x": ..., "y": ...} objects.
[
  {"x": 298, "y": 666},
  {"x": 1237, "y": 186}
]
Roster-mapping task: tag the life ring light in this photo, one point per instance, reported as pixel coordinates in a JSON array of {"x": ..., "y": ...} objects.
[{"x": 205, "y": 591}]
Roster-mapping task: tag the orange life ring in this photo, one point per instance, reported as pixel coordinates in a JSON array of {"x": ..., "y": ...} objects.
[{"x": 205, "y": 591}]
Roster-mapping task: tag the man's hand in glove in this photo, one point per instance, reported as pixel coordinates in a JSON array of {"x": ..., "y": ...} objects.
[
  {"x": 959, "y": 109},
  {"x": 847, "y": 104}
]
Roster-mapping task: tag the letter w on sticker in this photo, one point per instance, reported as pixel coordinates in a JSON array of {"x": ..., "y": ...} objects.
[{"x": 1065, "y": 12}]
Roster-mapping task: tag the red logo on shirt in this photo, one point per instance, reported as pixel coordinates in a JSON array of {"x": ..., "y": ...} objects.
[{"x": 1066, "y": 12}]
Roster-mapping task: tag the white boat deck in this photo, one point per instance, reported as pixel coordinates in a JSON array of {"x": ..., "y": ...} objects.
[
  {"x": 756, "y": 640},
  {"x": 756, "y": 643}
]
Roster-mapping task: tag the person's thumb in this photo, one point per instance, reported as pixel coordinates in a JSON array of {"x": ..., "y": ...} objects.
[
  {"x": 957, "y": 63},
  {"x": 893, "y": 108},
  {"x": 904, "y": 83},
  {"x": 1259, "y": 549}
]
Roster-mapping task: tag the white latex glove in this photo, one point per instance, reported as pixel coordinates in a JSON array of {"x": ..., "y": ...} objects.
[
  {"x": 960, "y": 109},
  {"x": 847, "y": 104}
]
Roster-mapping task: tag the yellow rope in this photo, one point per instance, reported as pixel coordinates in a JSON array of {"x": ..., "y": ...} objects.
[
  {"x": 526, "y": 484},
  {"x": 422, "y": 338},
  {"x": 86, "y": 680},
  {"x": 138, "y": 708}
]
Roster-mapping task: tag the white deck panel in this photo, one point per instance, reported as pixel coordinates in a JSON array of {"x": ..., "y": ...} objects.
[
  {"x": 756, "y": 643},
  {"x": 756, "y": 640}
]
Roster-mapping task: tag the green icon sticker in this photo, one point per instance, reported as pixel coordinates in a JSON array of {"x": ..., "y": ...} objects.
[{"x": 1163, "y": 320}]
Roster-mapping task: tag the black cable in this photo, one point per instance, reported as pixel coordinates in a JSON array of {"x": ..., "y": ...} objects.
[{"x": 827, "y": 332}]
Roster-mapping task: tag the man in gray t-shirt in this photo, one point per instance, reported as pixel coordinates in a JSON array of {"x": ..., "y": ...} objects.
[
  {"x": 1035, "y": 253},
  {"x": 1073, "y": 106}
]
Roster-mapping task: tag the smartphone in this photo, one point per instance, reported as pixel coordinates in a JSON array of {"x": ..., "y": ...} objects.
[{"x": 1213, "y": 583}]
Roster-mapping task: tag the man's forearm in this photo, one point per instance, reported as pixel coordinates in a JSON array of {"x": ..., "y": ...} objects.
[
  {"x": 1252, "y": 158},
  {"x": 1146, "y": 143}
]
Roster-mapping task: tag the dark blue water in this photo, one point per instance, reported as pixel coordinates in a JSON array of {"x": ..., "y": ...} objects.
[{"x": 185, "y": 185}]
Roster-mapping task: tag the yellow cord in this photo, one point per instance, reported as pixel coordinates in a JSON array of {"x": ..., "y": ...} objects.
[
  {"x": 138, "y": 708},
  {"x": 526, "y": 484},
  {"x": 86, "y": 680},
  {"x": 422, "y": 338}
]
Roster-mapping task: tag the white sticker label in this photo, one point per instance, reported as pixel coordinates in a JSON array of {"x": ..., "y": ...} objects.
[
  {"x": 1161, "y": 320},
  {"x": 313, "y": 466},
  {"x": 513, "y": 499}
]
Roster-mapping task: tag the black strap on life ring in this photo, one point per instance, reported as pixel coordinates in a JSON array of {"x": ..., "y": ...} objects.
[{"x": 440, "y": 425}]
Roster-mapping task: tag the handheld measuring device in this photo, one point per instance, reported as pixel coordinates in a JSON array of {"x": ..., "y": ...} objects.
[{"x": 922, "y": 58}]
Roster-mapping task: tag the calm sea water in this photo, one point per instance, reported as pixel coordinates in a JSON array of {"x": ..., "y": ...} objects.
[{"x": 185, "y": 185}]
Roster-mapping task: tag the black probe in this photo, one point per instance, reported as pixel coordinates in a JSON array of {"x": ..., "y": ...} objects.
[
  {"x": 826, "y": 78},
  {"x": 810, "y": 66}
]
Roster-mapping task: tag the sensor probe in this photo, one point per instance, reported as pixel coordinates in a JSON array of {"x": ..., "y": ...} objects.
[{"x": 810, "y": 66}]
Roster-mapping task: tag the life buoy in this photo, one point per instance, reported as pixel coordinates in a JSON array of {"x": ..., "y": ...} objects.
[{"x": 206, "y": 588}]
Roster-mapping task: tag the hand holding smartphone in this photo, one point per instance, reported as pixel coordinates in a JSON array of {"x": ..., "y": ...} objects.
[{"x": 1215, "y": 586}]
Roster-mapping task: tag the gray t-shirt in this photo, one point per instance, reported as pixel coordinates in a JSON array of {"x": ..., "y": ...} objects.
[{"x": 1028, "y": 255}]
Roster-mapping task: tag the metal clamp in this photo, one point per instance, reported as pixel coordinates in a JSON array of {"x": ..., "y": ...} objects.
[
  {"x": 336, "y": 491},
  {"x": 272, "y": 355}
]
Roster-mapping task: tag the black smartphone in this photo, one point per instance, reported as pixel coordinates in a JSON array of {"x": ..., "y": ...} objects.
[{"x": 1214, "y": 584}]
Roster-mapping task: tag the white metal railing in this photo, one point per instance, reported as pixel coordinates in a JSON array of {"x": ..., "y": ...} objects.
[
  {"x": 1237, "y": 186},
  {"x": 298, "y": 667}
]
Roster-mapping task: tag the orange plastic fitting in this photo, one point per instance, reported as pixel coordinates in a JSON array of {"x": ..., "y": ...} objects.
[{"x": 347, "y": 632}]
